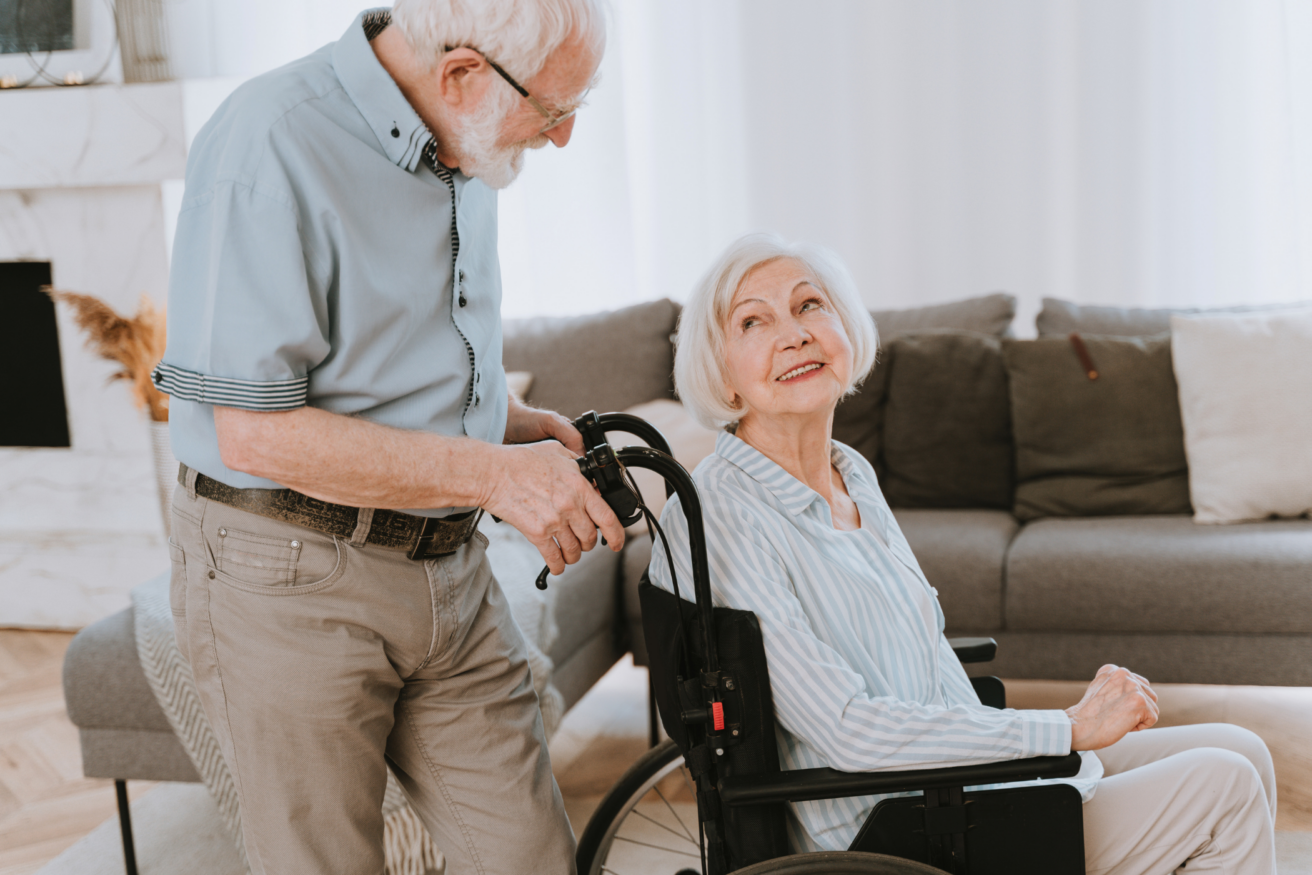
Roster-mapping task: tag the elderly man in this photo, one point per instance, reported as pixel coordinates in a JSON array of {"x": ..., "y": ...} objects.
[{"x": 339, "y": 407}]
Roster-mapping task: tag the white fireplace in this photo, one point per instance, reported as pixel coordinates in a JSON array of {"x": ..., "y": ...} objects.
[{"x": 89, "y": 181}]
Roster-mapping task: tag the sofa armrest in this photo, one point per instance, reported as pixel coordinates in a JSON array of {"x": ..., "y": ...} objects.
[
  {"x": 800, "y": 785},
  {"x": 974, "y": 649}
]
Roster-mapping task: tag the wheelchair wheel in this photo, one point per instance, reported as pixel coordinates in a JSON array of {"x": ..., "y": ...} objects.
[
  {"x": 647, "y": 822},
  {"x": 839, "y": 863}
]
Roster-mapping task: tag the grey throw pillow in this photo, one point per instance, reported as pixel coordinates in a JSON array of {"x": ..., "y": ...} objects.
[
  {"x": 602, "y": 361},
  {"x": 859, "y": 419},
  {"x": 1059, "y": 318},
  {"x": 947, "y": 422},
  {"x": 1114, "y": 445}
]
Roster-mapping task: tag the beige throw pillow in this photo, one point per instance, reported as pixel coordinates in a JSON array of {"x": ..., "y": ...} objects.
[
  {"x": 690, "y": 441},
  {"x": 1246, "y": 403}
]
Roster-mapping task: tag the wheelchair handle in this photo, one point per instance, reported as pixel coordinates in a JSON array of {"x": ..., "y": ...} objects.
[{"x": 605, "y": 468}]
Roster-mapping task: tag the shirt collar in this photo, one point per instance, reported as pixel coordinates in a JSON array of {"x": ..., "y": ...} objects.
[
  {"x": 795, "y": 495},
  {"x": 401, "y": 133}
]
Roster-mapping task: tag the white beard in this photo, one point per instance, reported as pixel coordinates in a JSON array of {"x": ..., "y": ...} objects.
[{"x": 476, "y": 143}]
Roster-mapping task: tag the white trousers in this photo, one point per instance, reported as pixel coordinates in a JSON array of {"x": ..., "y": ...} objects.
[{"x": 1192, "y": 799}]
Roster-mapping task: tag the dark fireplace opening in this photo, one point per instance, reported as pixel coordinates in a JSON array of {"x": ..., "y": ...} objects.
[{"x": 32, "y": 408}]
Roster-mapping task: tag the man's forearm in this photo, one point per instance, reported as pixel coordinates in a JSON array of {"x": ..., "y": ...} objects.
[{"x": 352, "y": 461}]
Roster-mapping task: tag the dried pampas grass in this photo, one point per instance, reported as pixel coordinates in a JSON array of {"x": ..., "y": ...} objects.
[{"x": 137, "y": 344}]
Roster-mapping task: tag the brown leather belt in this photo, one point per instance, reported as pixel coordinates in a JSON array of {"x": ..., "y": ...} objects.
[{"x": 421, "y": 537}]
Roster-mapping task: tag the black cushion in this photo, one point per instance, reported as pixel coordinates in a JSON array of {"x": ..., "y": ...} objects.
[
  {"x": 947, "y": 422},
  {"x": 1114, "y": 445},
  {"x": 859, "y": 419}
]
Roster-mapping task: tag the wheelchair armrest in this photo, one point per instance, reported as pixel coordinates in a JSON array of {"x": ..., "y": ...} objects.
[
  {"x": 974, "y": 649},
  {"x": 800, "y": 785}
]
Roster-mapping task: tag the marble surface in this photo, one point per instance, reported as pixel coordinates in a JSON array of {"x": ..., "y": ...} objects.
[
  {"x": 91, "y": 136},
  {"x": 81, "y": 176}
]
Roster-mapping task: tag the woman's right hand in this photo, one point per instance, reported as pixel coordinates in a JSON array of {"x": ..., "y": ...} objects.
[{"x": 1117, "y": 702}]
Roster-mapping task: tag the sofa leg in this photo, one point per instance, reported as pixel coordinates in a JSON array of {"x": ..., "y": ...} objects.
[
  {"x": 653, "y": 716},
  {"x": 125, "y": 824}
]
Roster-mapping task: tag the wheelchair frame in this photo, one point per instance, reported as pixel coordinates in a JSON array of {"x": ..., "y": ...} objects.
[{"x": 711, "y": 685}]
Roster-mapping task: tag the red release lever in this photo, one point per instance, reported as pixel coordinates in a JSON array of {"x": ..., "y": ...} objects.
[{"x": 717, "y": 715}]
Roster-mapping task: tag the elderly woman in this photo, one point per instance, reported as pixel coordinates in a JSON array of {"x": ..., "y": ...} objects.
[{"x": 863, "y": 678}]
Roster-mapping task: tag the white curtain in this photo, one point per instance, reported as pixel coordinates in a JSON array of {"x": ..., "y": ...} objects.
[{"x": 1133, "y": 152}]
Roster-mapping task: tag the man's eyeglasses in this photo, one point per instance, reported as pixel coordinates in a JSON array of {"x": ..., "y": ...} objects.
[{"x": 553, "y": 119}]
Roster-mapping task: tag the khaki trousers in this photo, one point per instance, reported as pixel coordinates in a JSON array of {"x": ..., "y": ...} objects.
[
  {"x": 320, "y": 661},
  {"x": 1193, "y": 799}
]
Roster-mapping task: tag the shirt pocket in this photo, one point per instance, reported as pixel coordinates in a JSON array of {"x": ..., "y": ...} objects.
[{"x": 257, "y": 560}]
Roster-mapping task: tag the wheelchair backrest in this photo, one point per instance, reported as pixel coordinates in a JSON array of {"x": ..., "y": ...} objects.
[{"x": 752, "y": 833}]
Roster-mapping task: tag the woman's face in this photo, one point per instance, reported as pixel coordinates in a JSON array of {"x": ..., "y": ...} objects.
[{"x": 786, "y": 353}]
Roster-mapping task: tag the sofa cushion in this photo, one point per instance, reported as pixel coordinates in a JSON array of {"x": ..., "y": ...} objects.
[
  {"x": 947, "y": 422},
  {"x": 987, "y": 314},
  {"x": 1246, "y": 400},
  {"x": 104, "y": 686},
  {"x": 859, "y": 419},
  {"x": 1059, "y": 318},
  {"x": 1086, "y": 447},
  {"x": 603, "y": 361},
  {"x": 1160, "y": 574},
  {"x": 962, "y": 553}
]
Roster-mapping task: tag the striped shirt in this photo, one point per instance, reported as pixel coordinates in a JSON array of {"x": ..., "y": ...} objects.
[{"x": 862, "y": 675}]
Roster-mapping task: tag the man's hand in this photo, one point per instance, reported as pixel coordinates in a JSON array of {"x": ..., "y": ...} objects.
[
  {"x": 1117, "y": 702},
  {"x": 538, "y": 489},
  {"x": 526, "y": 425}
]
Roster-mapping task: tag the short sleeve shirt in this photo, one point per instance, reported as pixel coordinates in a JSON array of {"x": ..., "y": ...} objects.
[{"x": 320, "y": 260}]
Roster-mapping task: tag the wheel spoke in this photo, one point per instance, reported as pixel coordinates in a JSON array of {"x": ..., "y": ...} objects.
[
  {"x": 657, "y": 847},
  {"x": 673, "y": 832},
  {"x": 682, "y": 825}
]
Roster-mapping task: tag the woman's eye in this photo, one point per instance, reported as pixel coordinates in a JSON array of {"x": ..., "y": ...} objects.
[
  {"x": 749, "y": 322},
  {"x": 812, "y": 304}
]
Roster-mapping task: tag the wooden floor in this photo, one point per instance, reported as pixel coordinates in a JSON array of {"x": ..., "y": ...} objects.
[{"x": 46, "y": 805}]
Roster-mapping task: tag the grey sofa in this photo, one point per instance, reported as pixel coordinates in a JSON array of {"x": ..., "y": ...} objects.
[{"x": 1176, "y": 601}]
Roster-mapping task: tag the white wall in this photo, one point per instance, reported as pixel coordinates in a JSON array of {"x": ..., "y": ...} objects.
[{"x": 1149, "y": 152}]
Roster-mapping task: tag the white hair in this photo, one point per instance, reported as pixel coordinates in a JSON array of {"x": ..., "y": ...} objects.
[
  {"x": 699, "y": 372},
  {"x": 519, "y": 35}
]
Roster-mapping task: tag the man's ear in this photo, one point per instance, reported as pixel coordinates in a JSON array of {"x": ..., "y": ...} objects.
[{"x": 457, "y": 79}]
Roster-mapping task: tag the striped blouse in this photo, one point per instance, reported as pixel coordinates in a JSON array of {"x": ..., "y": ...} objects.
[{"x": 862, "y": 675}]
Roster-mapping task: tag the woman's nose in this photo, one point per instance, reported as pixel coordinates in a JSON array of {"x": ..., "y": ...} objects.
[{"x": 793, "y": 334}]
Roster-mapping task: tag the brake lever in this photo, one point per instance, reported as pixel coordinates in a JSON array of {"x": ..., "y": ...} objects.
[{"x": 601, "y": 468}]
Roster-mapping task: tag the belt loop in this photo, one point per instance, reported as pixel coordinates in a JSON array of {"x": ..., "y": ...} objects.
[
  {"x": 189, "y": 481},
  {"x": 364, "y": 521}
]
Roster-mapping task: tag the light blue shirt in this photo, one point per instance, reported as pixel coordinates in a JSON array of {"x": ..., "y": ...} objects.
[
  {"x": 862, "y": 675},
  {"x": 318, "y": 261}
]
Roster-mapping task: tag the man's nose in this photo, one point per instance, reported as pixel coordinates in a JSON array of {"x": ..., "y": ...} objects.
[{"x": 560, "y": 134}]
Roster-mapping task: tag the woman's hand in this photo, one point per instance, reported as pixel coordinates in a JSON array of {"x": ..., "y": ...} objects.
[{"x": 1118, "y": 701}]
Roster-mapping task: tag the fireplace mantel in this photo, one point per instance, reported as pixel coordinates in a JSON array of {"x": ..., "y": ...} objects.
[{"x": 88, "y": 179}]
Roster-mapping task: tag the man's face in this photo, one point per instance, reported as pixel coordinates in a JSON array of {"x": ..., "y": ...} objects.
[{"x": 492, "y": 138}]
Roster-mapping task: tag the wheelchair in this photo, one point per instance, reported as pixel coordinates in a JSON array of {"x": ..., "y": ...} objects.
[{"x": 711, "y": 799}]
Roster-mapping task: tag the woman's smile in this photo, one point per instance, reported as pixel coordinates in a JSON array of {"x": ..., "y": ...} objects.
[{"x": 801, "y": 372}]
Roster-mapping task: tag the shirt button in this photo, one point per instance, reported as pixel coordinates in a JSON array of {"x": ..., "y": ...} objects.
[
  {"x": 462, "y": 276},
  {"x": 476, "y": 399},
  {"x": 463, "y": 302},
  {"x": 477, "y": 377}
]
